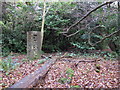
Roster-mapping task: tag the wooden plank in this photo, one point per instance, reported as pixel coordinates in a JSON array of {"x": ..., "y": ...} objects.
[{"x": 33, "y": 78}]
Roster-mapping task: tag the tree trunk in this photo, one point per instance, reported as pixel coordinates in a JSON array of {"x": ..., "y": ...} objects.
[
  {"x": 118, "y": 15},
  {"x": 0, "y": 30},
  {"x": 43, "y": 22},
  {"x": 119, "y": 27}
]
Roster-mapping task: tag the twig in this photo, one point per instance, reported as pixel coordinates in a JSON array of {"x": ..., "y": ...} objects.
[
  {"x": 72, "y": 33},
  {"x": 80, "y": 60}
]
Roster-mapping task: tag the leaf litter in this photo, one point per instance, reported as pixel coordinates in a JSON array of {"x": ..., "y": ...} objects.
[
  {"x": 101, "y": 74},
  {"x": 85, "y": 74},
  {"x": 25, "y": 68}
]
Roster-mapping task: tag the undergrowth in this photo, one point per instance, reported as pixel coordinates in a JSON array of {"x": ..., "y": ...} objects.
[{"x": 7, "y": 64}]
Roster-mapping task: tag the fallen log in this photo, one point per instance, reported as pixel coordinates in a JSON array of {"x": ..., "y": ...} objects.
[{"x": 36, "y": 77}]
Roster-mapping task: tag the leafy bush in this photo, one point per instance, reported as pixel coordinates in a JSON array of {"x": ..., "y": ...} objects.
[
  {"x": 13, "y": 41},
  {"x": 22, "y": 18},
  {"x": 14, "y": 35}
]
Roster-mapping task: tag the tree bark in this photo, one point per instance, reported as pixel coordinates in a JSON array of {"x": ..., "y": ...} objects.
[
  {"x": 0, "y": 29},
  {"x": 43, "y": 22},
  {"x": 118, "y": 15}
]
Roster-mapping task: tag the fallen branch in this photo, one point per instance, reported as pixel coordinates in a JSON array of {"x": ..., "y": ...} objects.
[{"x": 80, "y": 60}]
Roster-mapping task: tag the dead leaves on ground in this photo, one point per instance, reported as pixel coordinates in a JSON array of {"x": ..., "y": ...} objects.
[
  {"x": 85, "y": 75},
  {"x": 25, "y": 68},
  {"x": 101, "y": 74}
]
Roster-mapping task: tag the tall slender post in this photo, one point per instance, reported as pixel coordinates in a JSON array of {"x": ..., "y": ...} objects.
[
  {"x": 43, "y": 22},
  {"x": 119, "y": 17},
  {"x": 0, "y": 29}
]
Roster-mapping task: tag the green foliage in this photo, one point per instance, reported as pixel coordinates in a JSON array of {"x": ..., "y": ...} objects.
[
  {"x": 70, "y": 72},
  {"x": 71, "y": 54},
  {"x": 36, "y": 57},
  {"x": 2, "y": 24},
  {"x": 5, "y": 51},
  {"x": 24, "y": 60},
  {"x": 82, "y": 45},
  {"x": 97, "y": 70},
  {"x": 109, "y": 56},
  {"x": 62, "y": 80},
  {"x": 41, "y": 61},
  {"x": 13, "y": 41},
  {"x": 23, "y": 17},
  {"x": 65, "y": 80},
  {"x": 68, "y": 79},
  {"x": 76, "y": 86},
  {"x": 8, "y": 64}
]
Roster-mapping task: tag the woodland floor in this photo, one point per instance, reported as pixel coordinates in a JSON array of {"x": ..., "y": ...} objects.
[{"x": 66, "y": 74}]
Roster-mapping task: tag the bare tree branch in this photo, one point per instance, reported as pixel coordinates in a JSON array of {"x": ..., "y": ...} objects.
[
  {"x": 71, "y": 34},
  {"x": 89, "y": 41},
  {"x": 82, "y": 29},
  {"x": 87, "y": 15},
  {"x": 47, "y": 9}
]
